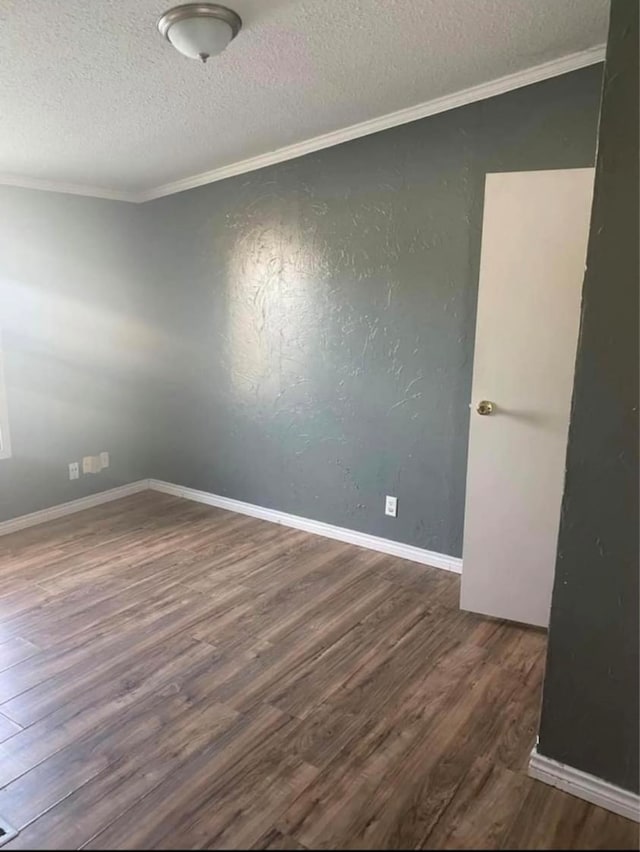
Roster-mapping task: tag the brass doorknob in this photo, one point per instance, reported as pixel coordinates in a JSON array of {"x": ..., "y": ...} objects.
[{"x": 485, "y": 407}]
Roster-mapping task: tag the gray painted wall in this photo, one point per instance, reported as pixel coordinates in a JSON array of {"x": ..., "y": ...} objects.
[
  {"x": 318, "y": 316},
  {"x": 590, "y": 708},
  {"x": 72, "y": 317}
]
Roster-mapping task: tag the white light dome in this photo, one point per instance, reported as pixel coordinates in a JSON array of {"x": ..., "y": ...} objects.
[{"x": 199, "y": 30}]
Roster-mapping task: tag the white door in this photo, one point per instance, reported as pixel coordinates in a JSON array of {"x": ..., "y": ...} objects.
[{"x": 534, "y": 243}]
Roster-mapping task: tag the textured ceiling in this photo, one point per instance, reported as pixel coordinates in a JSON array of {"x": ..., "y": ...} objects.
[{"x": 90, "y": 93}]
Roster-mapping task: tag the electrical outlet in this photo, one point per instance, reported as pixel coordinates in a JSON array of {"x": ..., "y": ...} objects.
[
  {"x": 74, "y": 470},
  {"x": 91, "y": 464},
  {"x": 391, "y": 506},
  {"x": 104, "y": 459}
]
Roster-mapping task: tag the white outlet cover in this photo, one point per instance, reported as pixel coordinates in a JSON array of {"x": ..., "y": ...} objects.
[
  {"x": 74, "y": 470},
  {"x": 91, "y": 464},
  {"x": 391, "y": 506},
  {"x": 104, "y": 459}
]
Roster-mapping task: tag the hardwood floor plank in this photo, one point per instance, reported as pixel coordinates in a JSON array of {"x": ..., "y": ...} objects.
[
  {"x": 323, "y": 675},
  {"x": 235, "y": 816},
  {"x": 177, "y": 676},
  {"x": 135, "y": 766},
  {"x": 273, "y": 839},
  {"x": 120, "y": 737},
  {"x": 278, "y": 665},
  {"x": 15, "y": 649},
  {"x": 605, "y": 830},
  {"x": 189, "y": 792},
  {"x": 96, "y": 707},
  {"x": 7, "y": 728},
  {"x": 550, "y": 819},
  {"x": 546, "y": 819},
  {"x": 106, "y": 646},
  {"x": 416, "y": 689},
  {"x": 482, "y": 809},
  {"x": 362, "y": 799}
]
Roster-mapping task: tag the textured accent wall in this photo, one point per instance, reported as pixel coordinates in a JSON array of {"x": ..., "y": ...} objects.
[
  {"x": 318, "y": 316},
  {"x": 590, "y": 708},
  {"x": 75, "y": 344}
]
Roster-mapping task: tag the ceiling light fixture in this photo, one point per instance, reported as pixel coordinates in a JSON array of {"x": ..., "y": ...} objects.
[{"x": 200, "y": 30}]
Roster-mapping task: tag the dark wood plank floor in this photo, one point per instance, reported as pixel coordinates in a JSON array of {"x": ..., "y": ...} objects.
[{"x": 176, "y": 676}]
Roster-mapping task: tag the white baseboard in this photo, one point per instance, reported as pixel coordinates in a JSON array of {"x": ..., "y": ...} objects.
[
  {"x": 372, "y": 542},
  {"x": 50, "y": 514},
  {"x": 584, "y": 786}
]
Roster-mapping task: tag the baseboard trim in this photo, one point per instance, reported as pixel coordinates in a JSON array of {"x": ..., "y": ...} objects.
[
  {"x": 584, "y": 786},
  {"x": 371, "y": 542},
  {"x": 62, "y": 509}
]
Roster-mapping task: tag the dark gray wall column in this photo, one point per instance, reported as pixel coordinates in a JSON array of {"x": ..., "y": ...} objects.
[{"x": 590, "y": 714}]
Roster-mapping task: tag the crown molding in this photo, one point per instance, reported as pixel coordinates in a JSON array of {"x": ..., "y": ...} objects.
[
  {"x": 499, "y": 86},
  {"x": 545, "y": 71},
  {"x": 68, "y": 188}
]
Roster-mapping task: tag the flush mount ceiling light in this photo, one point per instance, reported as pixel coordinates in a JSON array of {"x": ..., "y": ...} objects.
[{"x": 200, "y": 30}]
